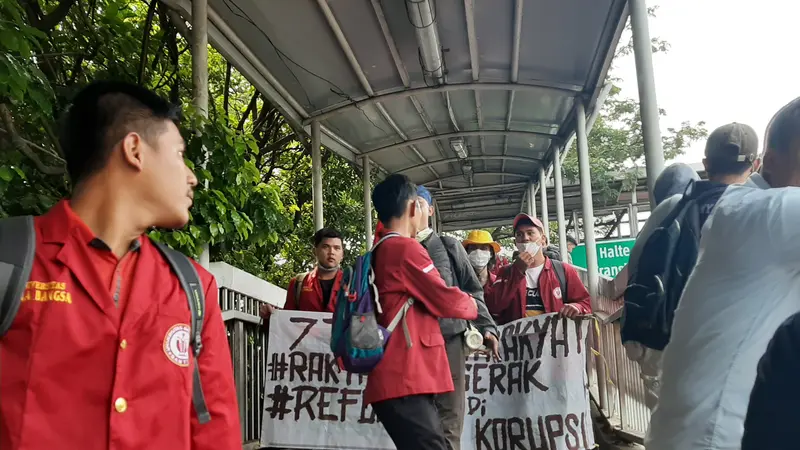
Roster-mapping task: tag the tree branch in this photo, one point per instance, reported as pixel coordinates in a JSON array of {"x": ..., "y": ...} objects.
[
  {"x": 148, "y": 26},
  {"x": 46, "y": 22},
  {"x": 227, "y": 96},
  {"x": 250, "y": 107},
  {"x": 20, "y": 145}
]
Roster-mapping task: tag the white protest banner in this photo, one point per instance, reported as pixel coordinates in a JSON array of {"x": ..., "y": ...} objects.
[
  {"x": 535, "y": 399},
  {"x": 308, "y": 401}
]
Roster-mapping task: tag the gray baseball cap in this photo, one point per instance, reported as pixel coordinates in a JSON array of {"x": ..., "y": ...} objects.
[{"x": 734, "y": 142}]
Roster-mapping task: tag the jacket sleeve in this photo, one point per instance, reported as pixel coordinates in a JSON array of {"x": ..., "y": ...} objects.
[
  {"x": 771, "y": 419},
  {"x": 576, "y": 291},
  {"x": 468, "y": 282},
  {"x": 425, "y": 285},
  {"x": 504, "y": 290},
  {"x": 223, "y": 431},
  {"x": 290, "y": 303}
]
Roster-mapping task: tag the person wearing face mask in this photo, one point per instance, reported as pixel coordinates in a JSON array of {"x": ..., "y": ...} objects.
[
  {"x": 482, "y": 252},
  {"x": 316, "y": 291},
  {"x": 453, "y": 264},
  {"x": 534, "y": 284}
]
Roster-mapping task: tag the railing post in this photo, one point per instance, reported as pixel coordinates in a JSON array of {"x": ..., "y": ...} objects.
[
  {"x": 543, "y": 197},
  {"x": 316, "y": 174}
]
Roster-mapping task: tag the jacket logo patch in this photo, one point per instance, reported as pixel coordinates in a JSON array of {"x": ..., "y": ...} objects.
[
  {"x": 53, "y": 291},
  {"x": 557, "y": 293},
  {"x": 176, "y": 344}
]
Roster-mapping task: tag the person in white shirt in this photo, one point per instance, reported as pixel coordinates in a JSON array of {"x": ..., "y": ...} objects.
[{"x": 745, "y": 284}]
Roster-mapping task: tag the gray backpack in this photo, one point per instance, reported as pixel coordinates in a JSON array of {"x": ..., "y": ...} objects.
[{"x": 17, "y": 252}]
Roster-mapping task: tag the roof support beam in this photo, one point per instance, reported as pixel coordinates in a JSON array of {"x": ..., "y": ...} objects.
[
  {"x": 362, "y": 78},
  {"x": 493, "y": 174},
  {"x": 478, "y": 133},
  {"x": 514, "y": 70},
  {"x": 441, "y": 194},
  {"x": 469, "y": 8},
  {"x": 521, "y": 159},
  {"x": 568, "y": 89}
]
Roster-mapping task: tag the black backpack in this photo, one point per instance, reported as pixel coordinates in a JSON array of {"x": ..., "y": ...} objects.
[
  {"x": 17, "y": 251},
  {"x": 665, "y": 263}
]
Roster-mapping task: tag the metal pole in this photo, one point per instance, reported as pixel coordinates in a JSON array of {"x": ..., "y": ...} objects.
[
  {"x": 588, "y": 230},
  {"x": 575, "y": 229},
  {"x": 316, "y": 175},
  {"x": 543, "y": 195},
  {"x": 648, "y": 106},
  {"x": 367, "y": 205},
  {"x": 633, "y": 214},
  {"x": 532, "y": 199},
  {"x": 559, "y": 188},
  {"x": 200, "y": 80}
]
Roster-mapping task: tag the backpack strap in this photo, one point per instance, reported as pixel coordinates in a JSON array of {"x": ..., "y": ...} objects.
[
  {"x": 298, "y": 288},
  {"x": 401, "y": 315},
  {"x": 558, "y": 266},
  {"x": 388, "y": 236},
  {"x": 190, "y": 282},
  {"x": 17, "y": 251}
]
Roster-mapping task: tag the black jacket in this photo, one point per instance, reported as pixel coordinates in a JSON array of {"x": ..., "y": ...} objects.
[
  {"x": 772, "y": 421},
  {"x": 450, "y": 259}
]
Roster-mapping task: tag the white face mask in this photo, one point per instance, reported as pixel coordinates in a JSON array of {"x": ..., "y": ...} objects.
[
  {"x": 529, "y": 247},
  {"x": 479, "y": 258}
]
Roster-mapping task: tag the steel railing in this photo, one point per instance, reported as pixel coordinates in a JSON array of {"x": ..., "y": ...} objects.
[{"x": 614, "y": 380}]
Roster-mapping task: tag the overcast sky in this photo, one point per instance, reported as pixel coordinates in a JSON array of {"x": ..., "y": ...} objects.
[{"x": 729, "y": 61}]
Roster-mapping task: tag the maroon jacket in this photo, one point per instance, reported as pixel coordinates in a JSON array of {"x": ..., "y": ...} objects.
[{"x": 506, "y": 299}]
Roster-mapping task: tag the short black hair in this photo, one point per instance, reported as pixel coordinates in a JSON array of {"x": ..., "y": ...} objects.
[
  {"x": 571, "y": 240},
  {"x": 326, "y": 233},
  {"x": 100, "y": 115},
  {"x": 391, "y": 196},
  {"x": 784, "y": 128}
]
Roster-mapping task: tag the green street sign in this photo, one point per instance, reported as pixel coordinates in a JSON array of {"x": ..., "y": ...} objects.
[{"x": 612, "y": 255}]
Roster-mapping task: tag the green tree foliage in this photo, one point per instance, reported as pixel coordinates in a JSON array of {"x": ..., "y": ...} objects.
[{"x": 253, "y": 205}]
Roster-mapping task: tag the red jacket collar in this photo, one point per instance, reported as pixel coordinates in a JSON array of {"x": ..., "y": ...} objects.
[{"x": 61, "y": 223}]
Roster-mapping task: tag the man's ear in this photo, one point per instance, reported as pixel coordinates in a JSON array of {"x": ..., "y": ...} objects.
[
  {"x": 756, "y": 165},
  {"x": 132, "y": 150}
]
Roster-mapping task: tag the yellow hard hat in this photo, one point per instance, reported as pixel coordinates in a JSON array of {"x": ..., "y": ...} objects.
[{"x": 481, "y": 237}]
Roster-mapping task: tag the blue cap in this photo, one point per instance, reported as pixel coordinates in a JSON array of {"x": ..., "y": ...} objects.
[
  {"x": 673, "y": 180},
  {"x": 423, "y": 192}
]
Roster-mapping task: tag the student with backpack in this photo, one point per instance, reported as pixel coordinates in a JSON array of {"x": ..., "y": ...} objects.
[
  {"x": 107, "y": 339},
  {"x": 451, "y": 260},
  {"x": 666, "y": 250},
  {"x": 536, "y": 284},
  {"x": 412, "y": 297}
]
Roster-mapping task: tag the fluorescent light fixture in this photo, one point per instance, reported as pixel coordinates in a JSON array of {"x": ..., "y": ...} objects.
[{"x": 458, "y": 146}]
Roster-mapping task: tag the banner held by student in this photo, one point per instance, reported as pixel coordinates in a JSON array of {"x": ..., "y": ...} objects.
[{"x": 536, "y": 398}]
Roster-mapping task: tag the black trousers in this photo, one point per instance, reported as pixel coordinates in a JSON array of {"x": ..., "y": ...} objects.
[{"x": 412, "y": 422}]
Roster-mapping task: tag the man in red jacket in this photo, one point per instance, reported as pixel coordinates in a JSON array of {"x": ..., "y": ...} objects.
[
  {"x": 316, "y": 291},
  {"x": 101, "y": 359},
  {"x": 531, "y": 286},
  {"x": 415, "y": 367}
]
